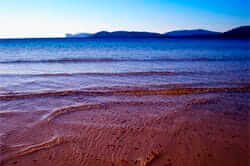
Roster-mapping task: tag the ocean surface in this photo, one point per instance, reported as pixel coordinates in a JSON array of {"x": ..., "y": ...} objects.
[{"x": 35, "y": 65}]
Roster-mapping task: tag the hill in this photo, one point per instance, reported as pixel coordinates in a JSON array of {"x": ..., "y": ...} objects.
[
  {"x": 126, "y": 34},
  {"x": 191, "y": 33},
  {"x": 240, "y": 32}
]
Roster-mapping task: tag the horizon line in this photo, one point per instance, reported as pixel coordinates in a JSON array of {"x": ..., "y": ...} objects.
[{"x": 64, "y": 35}]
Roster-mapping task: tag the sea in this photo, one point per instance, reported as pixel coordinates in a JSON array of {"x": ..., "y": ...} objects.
[{"x": 41, "y": 65}]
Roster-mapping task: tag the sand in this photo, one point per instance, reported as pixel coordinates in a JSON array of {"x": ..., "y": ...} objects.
[{"x": 180, "y": 126}]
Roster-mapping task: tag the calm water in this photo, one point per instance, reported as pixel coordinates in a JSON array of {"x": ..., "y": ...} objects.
[{"x": 56, "y": 64}]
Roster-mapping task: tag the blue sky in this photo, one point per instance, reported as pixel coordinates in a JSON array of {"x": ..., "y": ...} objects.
[{"x": 48, "y": 18}]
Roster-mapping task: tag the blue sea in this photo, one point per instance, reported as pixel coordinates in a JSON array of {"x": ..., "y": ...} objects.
[{"x": 35, "y": 65}]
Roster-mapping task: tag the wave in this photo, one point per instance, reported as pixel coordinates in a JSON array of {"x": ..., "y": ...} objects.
[
  {"x": 121, "y": 91},
  {"x": 64, "y": 60},
  {"x": 93, "y": 60},
  {"x": 119, "y": 74},
  {"x": 34, "y": 148},
  {"x": 142, "y": 73},
  {"x": 65, "y": 110}
]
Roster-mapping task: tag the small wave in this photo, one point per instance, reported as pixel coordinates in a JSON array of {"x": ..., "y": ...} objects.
[
  {"x": 34, "y": 148},
  {"x": 139, "y": 73},
  {"x": 118, "y": 74},
  {"x": 61, "y": 111},
  {"x": 64, "y": 60},
  {"x": 137, "y": 92},
  {"x": 95, "y": 60}
]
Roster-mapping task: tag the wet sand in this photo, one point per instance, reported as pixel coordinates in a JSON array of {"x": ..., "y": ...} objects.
[{"x": 149, "y": 126}]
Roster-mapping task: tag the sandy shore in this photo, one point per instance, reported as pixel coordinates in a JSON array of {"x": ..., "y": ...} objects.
[{"x": 161, "y": 127}]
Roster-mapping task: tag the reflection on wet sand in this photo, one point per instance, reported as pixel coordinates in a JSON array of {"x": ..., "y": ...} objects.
[{"x": 140, "y": 126}]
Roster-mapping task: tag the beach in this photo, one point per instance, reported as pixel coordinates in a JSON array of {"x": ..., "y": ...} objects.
[
  {"x": 136, "y": 103},
  {"x": 130, "y": 128}
]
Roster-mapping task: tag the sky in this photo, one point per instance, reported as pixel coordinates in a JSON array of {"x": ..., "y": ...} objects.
[{"x": 54, "y": 18}]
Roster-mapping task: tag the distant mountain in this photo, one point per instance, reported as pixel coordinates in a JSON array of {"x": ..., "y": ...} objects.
[
  {"x": 126, "y": 34},
  {"x": 78, "y": 35},
  {"x": 191, "y": 33},
  {"x": 240, "y": 32}
]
